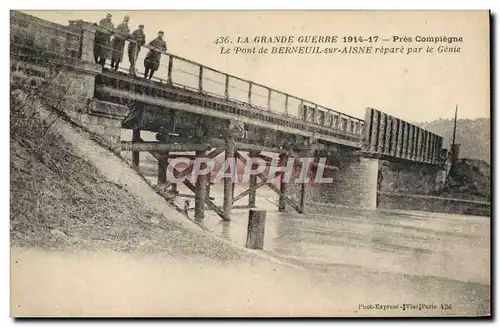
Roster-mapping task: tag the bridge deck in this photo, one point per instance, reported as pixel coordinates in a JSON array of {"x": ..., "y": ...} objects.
[{"x": 124, "y": 88}]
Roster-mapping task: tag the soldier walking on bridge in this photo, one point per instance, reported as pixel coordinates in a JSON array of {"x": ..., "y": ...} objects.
[
  {"x": 102, "y": 40},
  {"x": 118, "y": 43},
  {"x": 152, "y": 61},
  {"x": 134, "y": 48}
]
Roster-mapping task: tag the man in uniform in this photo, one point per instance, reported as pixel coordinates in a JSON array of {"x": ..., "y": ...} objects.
[
  {"x": 152, "y": 60},
  {"x": 118, "y": 43},
  {"x": 134, "y": 48},
  {"x": 102, "y": 40}
]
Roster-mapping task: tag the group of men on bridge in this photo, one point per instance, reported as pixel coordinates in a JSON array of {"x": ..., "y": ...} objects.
[{"x": 112, "y": 48}]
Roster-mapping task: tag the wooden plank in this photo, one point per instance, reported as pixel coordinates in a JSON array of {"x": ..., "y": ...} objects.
[
  {"x": 374, "y": 131},
  {"x": 426, "y": 146},
  {"x": 248, "y": 191},
  {"x": 394, "y": 136},
  {"x": 399, "y": 140},
  {"x": 405, "y": 147},
  {"x": 270, "y": 185},
  {"x": 434, "y": 149},
  {"x": 381, "y": 133},
  {"x": 418, "y": 140},
  {"x": 163, "y": 147},
  {"x": 388, "y": 135},
  {"x": 411, "y": 140},
  {"x": 189, "y": 169}
]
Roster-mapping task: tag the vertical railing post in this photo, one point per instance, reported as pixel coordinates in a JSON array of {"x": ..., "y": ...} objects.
[
  {"x": 269, "y": 99},
  {"x": 303, "y": 112},
  {"x": 250, "y": 93},
  {"x": 170, "y": 67},
  {"x": 315, "y": 114},
  {"x": 286, "y": 104},
  {"x": 226, "y": 88},
  {"x": 200, "y": 80}
]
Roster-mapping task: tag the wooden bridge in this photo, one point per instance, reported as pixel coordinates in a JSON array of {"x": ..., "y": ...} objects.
[{"x": 196, "y": 108}]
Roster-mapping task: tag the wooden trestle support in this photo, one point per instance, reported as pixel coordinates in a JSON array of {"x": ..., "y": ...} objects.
[{"x": 162, "y": 151}]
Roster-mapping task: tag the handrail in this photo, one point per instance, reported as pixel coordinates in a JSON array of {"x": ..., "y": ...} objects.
[{"x": 120, "y": 35}]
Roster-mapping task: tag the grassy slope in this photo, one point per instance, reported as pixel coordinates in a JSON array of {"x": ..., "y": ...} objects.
[{"x": 59, "y": 200}]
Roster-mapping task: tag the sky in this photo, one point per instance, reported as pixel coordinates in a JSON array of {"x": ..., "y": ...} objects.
[{"x": 416, "y": 87}]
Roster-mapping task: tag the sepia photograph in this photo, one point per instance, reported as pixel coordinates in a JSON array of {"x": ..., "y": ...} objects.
[{"x": 250, "y": 163}]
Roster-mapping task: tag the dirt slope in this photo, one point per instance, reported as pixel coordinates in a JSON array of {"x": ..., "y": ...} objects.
[{"x": 60, "y": 200}]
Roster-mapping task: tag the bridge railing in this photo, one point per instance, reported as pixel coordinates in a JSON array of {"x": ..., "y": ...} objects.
[
  {"x": 32, "y": 35},
  {"x": 188, "y": 74}
]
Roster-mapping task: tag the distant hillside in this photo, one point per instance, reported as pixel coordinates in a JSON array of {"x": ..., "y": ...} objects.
[{"x": 473, "y": 135}]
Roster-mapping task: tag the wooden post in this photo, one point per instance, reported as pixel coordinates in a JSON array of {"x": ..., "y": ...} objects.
[
  {"x": 174, "y": 188},
  {"x": 253, "y": 181},
  {"x": 228, "y": 184},
  {"x": 303, "y": 186},
  {"x": 302, "y": 197},
  {"x": 162, "y": 168},
  {"x": 256, "y": 229},
  {"x": 209, "y": 183},
  {"x": 283, "y": 186},
  {"x": 200, "y": 190},
  {"x": 136, "y": 136}
]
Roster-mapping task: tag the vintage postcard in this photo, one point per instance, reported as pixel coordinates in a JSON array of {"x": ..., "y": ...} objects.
[{"x": 250, "y": 163}]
